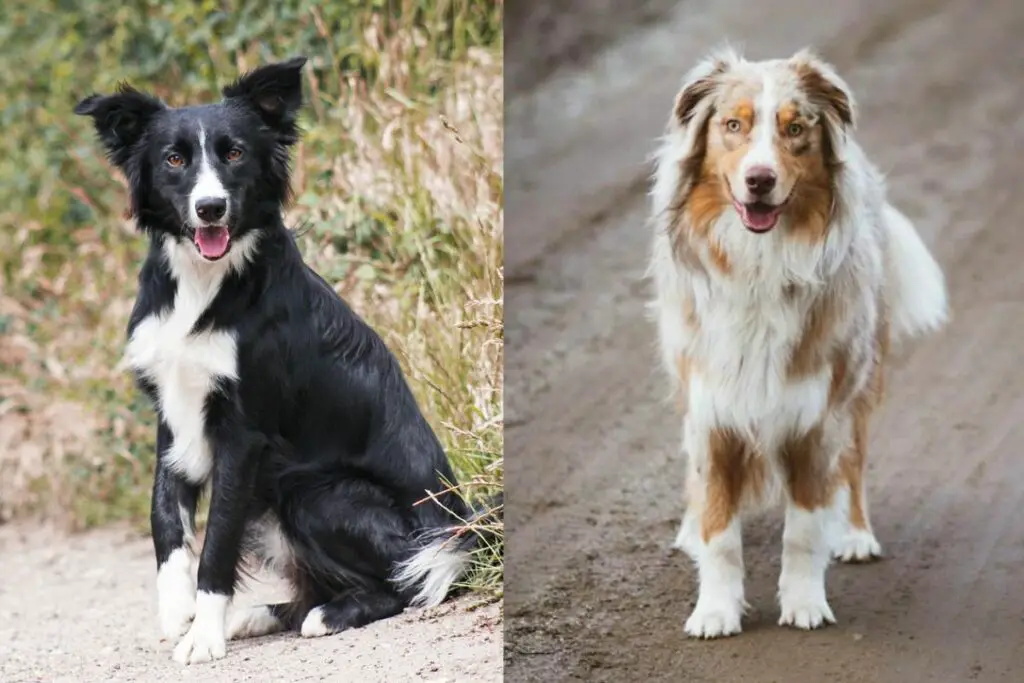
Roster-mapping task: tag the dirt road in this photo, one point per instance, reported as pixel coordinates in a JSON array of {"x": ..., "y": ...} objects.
[
  {"x": 593, "y": 592},
  {"x": 83, "y": 610}
]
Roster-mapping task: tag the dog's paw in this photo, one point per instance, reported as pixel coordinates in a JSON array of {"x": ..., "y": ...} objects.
[
  {"x": 314, "y": 626},
  {"x": 805, "y": 607},
  {"x": 200, "y": 645},
  {"x": 176, "y": 615},
  {"x": 714, "y": 619},
  {"x": 176, "y": 595},
  {"x": 856, "y": 545},
  {"x": 250, "y": 622}
]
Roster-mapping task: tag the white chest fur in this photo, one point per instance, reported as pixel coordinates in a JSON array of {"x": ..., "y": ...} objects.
[
  {"x": 743, "y": 351},
  {"x": 182, "y": 365}
]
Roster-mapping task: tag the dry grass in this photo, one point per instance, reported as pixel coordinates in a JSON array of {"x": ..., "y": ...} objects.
[{"x": 398, "y": 185}]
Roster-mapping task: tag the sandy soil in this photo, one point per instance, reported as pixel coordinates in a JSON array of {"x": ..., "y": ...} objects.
[
  {"x": 595, "y": 475},
  {"x": 84, "y": 609}
]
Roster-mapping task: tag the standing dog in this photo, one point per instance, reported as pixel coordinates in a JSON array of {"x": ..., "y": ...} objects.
[
  {"x": 782, "y": 276},
  {"x": 269, "y": 389}
]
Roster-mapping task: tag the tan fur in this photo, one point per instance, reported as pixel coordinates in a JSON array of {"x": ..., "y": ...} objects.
[{"x": 734, "y": 471}]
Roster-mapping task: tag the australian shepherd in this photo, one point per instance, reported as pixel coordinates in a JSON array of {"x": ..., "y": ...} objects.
[
  {"x": 271, "y": 393},
  {"x": 782, "y": 276}
]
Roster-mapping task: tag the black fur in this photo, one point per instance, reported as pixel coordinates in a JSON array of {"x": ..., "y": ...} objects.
[{"x": 320, "y": 428}]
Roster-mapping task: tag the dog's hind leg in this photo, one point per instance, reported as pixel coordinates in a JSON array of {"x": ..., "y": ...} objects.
[
  {"x": 354, "y": 609},
  {"x": 853, "y": 539},
  {"x": 259, "y": 620}
]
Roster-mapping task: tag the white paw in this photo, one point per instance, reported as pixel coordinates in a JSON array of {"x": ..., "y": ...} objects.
[
  {"x": 804, "y": 606},
  {"x": 250, "y": 622},
  {"x": 714, "y": 618},
  {"x": 176, "y": 615},
  {"x": 176, "y": 594},
  {"x": 199, "y": 645},
  {"x": 313, "y": 625},
  {"x": 856, "y": 545}
]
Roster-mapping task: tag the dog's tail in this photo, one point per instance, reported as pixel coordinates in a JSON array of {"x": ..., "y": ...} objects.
[
  {"x": 444, "y": 555},
  {"x": 916, "y": 287}
]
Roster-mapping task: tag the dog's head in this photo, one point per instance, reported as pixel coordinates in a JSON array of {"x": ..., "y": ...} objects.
[
  {"x": 208, "y": 174},
  {"x": 763, "y": 138}
]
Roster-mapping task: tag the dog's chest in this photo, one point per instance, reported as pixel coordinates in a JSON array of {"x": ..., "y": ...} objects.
[
  {"x": 744, "y": 351},
  {"x": 184, "y": 367}
]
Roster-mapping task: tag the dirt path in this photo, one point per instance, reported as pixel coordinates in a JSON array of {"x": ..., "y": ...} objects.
[
  {"x": 593, "y": 592},
  {"x": 83, "y": 610}
]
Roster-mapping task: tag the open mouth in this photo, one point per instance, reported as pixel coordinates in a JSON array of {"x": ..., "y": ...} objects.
[
  {"x": 212, "y": 241},
  {"x": 759, "y": 216}
]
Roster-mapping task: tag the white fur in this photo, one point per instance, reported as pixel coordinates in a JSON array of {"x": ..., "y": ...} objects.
[
  {"x": 271, "y": 547},
  {"x": 184, "y": 365},
  {"x": 434, "y": 569},
  {"x": 749, "y": 322},
  {"x": 804, "y": 561},
  {"x": 205, "y": 641},
  {"x": 916, "y": 286},
  {"x": 251, "y": 622},
  {"x": 720, "y": 603},
  {"x": 208, "y": 185},
  {"x": 848, "y": 543},
  {"x": 313, "y": 626},
  {"x": 176, "y": 593}
]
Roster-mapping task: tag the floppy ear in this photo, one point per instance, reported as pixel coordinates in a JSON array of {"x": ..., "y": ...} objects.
[
  {"x": 693, "y": 107},
  {"x": 274, "y": 91},
  {"x": 120, "y": 119},
  {"x": 829, "y": 93}
]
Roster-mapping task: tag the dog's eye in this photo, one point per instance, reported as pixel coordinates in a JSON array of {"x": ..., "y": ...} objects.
[
  {"x": 794, "y": 129},
  {"x": 733, "y": 125},
  {"x": 175, "y": 160},
  {"x": 234, "y": 154}
]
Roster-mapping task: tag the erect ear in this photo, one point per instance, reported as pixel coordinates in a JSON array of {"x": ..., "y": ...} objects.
[
  {"x": 274, "y": 91},
  {"x": 829, "y": 93},
  {"x": 120, "y": 119}
]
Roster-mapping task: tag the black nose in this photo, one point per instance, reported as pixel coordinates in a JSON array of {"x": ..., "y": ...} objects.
[
  {"x": 211, "y": 208},
  {"x": 760, "y": 181}
]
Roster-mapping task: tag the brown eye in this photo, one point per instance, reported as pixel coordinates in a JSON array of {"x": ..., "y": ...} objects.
[
  {"x": 794, "y": 130},
  {"x": 733, "y": 125},
  {"x": 234, "y": 154},
  {"x": 175, "y": 160}
]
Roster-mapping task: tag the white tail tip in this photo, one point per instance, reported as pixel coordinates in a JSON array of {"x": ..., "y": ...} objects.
[{"x": 434, "y": 569}]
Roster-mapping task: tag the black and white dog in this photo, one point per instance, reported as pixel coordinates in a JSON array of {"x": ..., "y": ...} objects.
[{"x": 270, "y": 390}]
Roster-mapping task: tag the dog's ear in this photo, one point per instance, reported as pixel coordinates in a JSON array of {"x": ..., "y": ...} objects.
[
  {"x": 830, "y": 94},
  {"x": 274, "y": 91},
  {"x": 120, "y": 119},
  {"x": 693, "y": 102}
]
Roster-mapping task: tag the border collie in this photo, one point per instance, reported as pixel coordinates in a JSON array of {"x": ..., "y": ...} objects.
[
  {"x": 270, "y": 390},
  {"x": 782, "y": 276}
]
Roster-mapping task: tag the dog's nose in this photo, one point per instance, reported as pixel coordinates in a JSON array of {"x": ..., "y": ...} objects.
[
  {"x": 211, "y": 208},
  {"x": 760, "y": 180}
]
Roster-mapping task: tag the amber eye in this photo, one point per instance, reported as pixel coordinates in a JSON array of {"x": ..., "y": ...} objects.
[
  {"x": 794, "y": 129},
  {"x": 234, "y": 154},
  {"x": 175, "y": 160},
  {"x": 733, "y": 125}
]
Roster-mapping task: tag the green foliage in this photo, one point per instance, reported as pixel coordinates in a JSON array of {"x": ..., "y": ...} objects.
[{"x": 398, "y": 185}]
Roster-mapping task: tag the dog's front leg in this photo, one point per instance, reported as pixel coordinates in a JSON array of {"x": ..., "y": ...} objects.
[
  {"x": 234, "y": 474},
  {"x": 712, "y": 532},
  {"x": 810, "y": 463},
  {"x": 172, "y": 521}
]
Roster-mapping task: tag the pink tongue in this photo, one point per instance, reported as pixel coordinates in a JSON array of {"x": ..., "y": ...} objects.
[
  {"x": 212, "y": 242},
  {"x": 759, "y": 220}
]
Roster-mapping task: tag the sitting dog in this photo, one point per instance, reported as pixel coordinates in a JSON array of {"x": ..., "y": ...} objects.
[
  {"x": 269, "y": 389},
  {"x": 782, "y": 276}
]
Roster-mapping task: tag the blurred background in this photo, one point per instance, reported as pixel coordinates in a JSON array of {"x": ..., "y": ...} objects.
[
  {"x": 398, "y": 183},
  {"x": 593, "y": 592}
]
